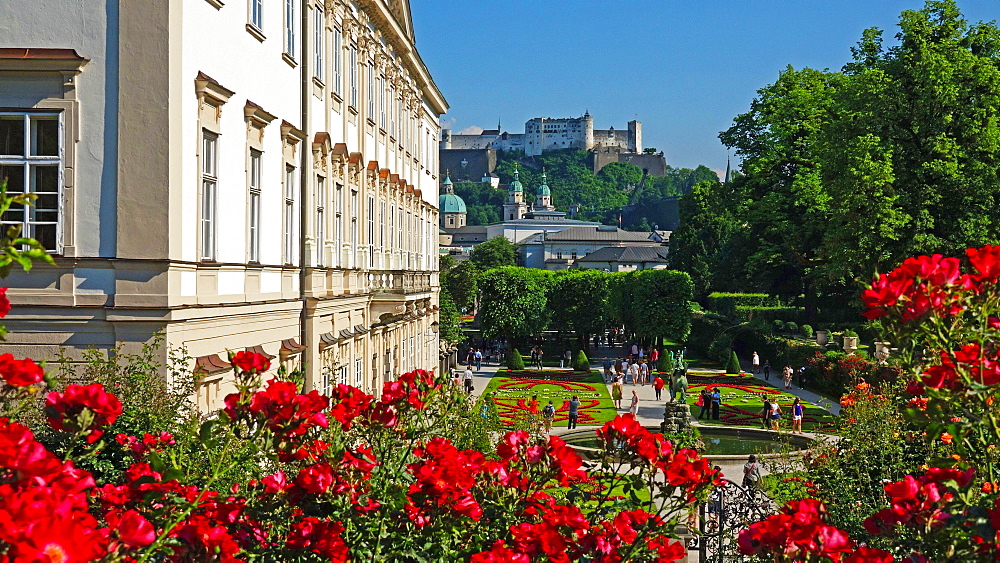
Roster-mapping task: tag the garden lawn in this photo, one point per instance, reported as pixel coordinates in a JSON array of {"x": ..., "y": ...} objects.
[
  {"x": 512, "y": 392},
  {"x": 742, "y": 402}
]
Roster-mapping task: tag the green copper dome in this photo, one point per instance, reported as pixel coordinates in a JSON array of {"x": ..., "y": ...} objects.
[
  {"x": 515, "y": 186},
  {"x": 451, "y": 203},
  {"x": 543, "y": 189}
]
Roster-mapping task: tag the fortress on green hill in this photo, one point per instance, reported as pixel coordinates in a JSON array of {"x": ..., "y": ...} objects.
[{"x": 473, "y": 157}]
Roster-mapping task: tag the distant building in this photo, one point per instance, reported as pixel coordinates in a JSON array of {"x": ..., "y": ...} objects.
[
  {"x": 562, "y": 249},
  {"x": 625, "y": 259}
]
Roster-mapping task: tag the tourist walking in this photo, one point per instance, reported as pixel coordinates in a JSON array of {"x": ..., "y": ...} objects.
[
  {"x": 716, "y": 403},
  {"x": 634, "y": 408},
  {"x": 574, "y": 412},
  {"x": 456, "y": 377},
  {"x": 787, "y": 377},
  {"x": 755, "y": 361},
  {"x": 534, "y": 356},
  {"x": 705, "y": 402},
  {"x": 539, "y": 360},
  {"x": 607, "y": 369},
  {"x": 775, "y": 417},
  {"x": 533, "y": 413},
  {"x": 548, "y": 413},
  {"x": 470, "y": 357},
  {"x": 751, "y": 472},
  {"x": 767, "y": 370},
  {"x": 635, "y": 349},
  {"x": 653, "y": 357},
  {"x": 797, "y": 413},
  {"x": 479, "y": 360},
  {"x": 658, "y": 386},
  {"x": 616, "y": 392},
  {"x": 468, "y": 379},
  {"x": 765, "y": 413},
  {"x": 643, "y": 373}
]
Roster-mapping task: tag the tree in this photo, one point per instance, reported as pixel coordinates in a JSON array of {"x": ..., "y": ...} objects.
[
  {"x": 733, "y": 366},
  {"x": 578, "y": 301},
  {"x": 580, "y": 361},
  {"x": 450, "y": 329},
  {"x": 494, "y": 253},
  {"x": 513, "y": 303},
  {"x": 662, "y": 299},
  {"x": 462, "y": 282}
]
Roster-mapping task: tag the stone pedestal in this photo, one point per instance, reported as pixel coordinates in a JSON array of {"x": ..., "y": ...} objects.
[{"x": 676, "y": 418}]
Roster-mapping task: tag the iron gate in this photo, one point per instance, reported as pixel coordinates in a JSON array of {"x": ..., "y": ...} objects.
[{"x": 730, "y": 508}]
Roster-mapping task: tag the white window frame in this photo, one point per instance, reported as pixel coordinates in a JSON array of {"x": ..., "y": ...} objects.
[
  {"x": 253, "y": 231},
  {"x": 371, "y": 90},
  {"x": 354, "y": 229},
  {"x": 290, "y": 28},
  {"x": 320, "y": 221},
  {"x": 338, "y": 225},
  {"x": 354, "y": 76},
  {"x": 288, "y": 248},
  {"x": 319, "y": 43},
  {"x": 381, "y": 94},
  {"x": 29, "y": 163},
  {"x": 257, "y": 14},
  {"x": 338, "y": 82},
  {"x": 371, "y": 231},
  {"x": 358, "y": 373},
  {"x": 209, "y": 195}
]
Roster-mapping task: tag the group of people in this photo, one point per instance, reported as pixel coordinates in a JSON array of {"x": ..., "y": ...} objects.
[
  {"x": 630, "y": 370},
  {"x": 786, "y": 374},
  {"x": 710, "y": 401},
  {"x": 463, "y": 378},
  {"x": 536, "y": 357},
  {"x": 771, "y": 415},
  {"x": 547, "y": 414}
]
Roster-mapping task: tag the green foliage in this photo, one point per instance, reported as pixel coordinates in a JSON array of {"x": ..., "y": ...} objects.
[
  {"x": 792, "y": 327},
  {"x": 807, "y": 331},
  {"x": 726, "y": 303},
  {"x": 493, "y": 253},
  {"x": 578, "y": 300},
  {"x": 462, "y": 283},
  {"x": 513, "y": 302},
  {"x": 15, "y": 249},
  {"x": 450, "y": 329},
  {"x": 764, "y": 313},
  {"x": 849, "y": 332},
  {"x": 515, "y": 361},
  {"x": 659, "y": 302},
  {"x": 779, "y": 324},
  {"x": 733, "y": 366},
  {"x": 482, "y": 202},
  {"x": 580, "y": 361}
]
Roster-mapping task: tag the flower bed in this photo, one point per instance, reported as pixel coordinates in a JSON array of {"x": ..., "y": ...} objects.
[
  {"x": 742, "y": 401},
  {"x": 512, "y": 392}
]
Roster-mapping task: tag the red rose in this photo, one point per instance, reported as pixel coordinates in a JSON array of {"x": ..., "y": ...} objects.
[
  {"x": 4, "y": 302},
  {"x": 66, "y": 411},
  {"x": 19, "y": 373},
  {"x": 131, "y": 528},
  {"x": 251, "y": 362}
]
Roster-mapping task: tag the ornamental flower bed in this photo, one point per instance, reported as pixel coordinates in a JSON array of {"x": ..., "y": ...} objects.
[
  {"x": 512, "y": 395},
  {"x": 742, "y": 401}
]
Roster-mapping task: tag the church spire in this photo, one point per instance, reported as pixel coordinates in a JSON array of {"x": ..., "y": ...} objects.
[{"x": 729, "y": 174}]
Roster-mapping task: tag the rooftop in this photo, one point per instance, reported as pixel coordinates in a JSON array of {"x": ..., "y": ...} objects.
[
  {"x": 599, "y": 233},
  {"x": 627, "y": 254}
]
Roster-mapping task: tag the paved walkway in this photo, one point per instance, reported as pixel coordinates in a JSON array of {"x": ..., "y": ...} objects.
[{"x": 806, "y": 395}]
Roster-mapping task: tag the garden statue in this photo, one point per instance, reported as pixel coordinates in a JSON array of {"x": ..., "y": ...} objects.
[{"x": 680, "y": 386}]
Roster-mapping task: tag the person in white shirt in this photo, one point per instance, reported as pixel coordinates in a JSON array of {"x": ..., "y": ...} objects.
[{"x": 468, "y": 379}]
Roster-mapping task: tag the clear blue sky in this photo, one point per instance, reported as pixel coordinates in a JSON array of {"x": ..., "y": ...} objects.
[{"x": 685, "y": 68}]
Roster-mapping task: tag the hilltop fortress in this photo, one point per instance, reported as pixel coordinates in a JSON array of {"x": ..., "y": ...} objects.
[{"x": 473, "y": 157}]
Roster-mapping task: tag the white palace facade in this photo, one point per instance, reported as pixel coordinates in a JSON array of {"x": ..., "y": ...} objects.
[{"x": 229, "y": 174}]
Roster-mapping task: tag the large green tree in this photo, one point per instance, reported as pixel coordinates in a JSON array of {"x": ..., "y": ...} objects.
[
  {"x": 462, "y": 283},
  {"x": 494, "y": 253},
  {"x": 513, "y": 302},
  {"x": 578, "y": 301}
]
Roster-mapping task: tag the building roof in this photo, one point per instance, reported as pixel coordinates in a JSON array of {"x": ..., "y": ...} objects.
[
  {"x": 604, "y": 233},
  {"x": 451, "y": 203},
  {"x": 627, "y": 254},
  {"x": 470, "y": 230},
  {"x": 515, "y": 186},
  {"x": 543, "y": 189}
]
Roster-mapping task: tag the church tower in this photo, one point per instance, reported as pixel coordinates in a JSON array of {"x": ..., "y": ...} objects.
[
  {"x": 515, "y": 208},
  {"x": 543, "y": 197},
  {"x": 451, "y": 206}
]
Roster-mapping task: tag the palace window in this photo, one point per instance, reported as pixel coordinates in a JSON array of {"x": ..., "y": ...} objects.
[
  {"x": 254, "y": 222},
  {"x": 371, "y": 232},
  {"x": 381, "y": 106},
  {"x": 257, "y": 14},
  {"x": 371, "y": 91},
  {"x": 338, "y": 88},
  {"x": 392, "y": 110},
  {"x": 354, "y": 229},
  {"x": 31, "y": 159},
  {"x": 319, "y": 45},
  {"x": 290, "y": 28},
  {"x": 358, "y": 371},
  {"x": 289, "y": 215},
  {"x": 338, "y": 225},
  {"x": 354, "y": 76},
  {"x": 209, "y": 194},
  {"x": 320, "y": 221}
]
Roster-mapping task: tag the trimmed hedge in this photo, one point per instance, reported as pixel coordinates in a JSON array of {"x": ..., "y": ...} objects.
[
  {"x": 807, "y": 331},
  {"x": 580, "y": 362},
  {"x": 515, "y": 361},
  {"x": 769, "y": 313},
  {"x": 733, "y": 367},
  {"x": 728, "y": 303}
]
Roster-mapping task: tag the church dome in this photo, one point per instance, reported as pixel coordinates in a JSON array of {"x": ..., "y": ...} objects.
[
  {"x": 451, "y": 203},
  {"x": 515, "y": 186},
  {"x": 543, "y": 189}
]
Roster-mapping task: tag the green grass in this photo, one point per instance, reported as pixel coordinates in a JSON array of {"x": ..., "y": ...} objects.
[
  {"x": 512, "y": 392},
  {"x": 742, "y": 403}
]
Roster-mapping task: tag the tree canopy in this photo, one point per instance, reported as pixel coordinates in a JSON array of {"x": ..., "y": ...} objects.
[{"x": 494, "y": 253}]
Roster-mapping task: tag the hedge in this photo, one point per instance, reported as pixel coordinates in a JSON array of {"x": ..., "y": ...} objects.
[
  {"x": 580, "y": 362},
  {"x": 728, "y": 303},
  {"x": 515, "y": 361},
  {"x": 769, "y": 313}
]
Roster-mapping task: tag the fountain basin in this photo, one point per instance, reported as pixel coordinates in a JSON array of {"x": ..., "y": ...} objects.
[{"x": 722, "y": 443}]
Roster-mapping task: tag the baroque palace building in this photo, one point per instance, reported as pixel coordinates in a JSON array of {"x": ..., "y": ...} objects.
[{"x": 229, "y": 174}]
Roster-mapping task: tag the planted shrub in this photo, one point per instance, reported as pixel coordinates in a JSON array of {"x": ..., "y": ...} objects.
[
  {"x": 515, "y": 361},
  {"x": 791, "y": 327},
  {"x": 580, "y": 361},
  {"x": 807, "y": 331},
  {"x": 779, "y": 325},
  {"x": 733, "y": 367}
]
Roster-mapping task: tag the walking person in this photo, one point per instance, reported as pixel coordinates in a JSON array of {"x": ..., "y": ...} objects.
[
  {"x": 755, "y": 361},
  {"x": 635, "y": 349},
  {"x": 541, "y": 353},
  {"x": 705, "y": 402},
  {"x": 634, "y": 408},
  {"x": 658, "y": 386},
  {"x": 574, "y": 412},
  {"x": 548, "y": 413},
  {"x": 797, "y": 413},
  {"x": 751, "y": 472},
  {"x": 533, "y": 413},
  {"x": 468, "y": 379},
  {"x": 470, "y": 357},
  {"x": 616, "y": 392},
  {"x": 775, "y": 417},
  {"x": 607, "y": 369},
  {"x": 767, "y": 370},
  {"x": 787, "y": 377},
  {"x": 716, "y": 403},
  {"x": 654, "y": 356},
  {"x": 479, "y": 360},
  {"x": 644, "y": 373},
  {"x": 765, "y": 413},
  {"x": 534, "y": 356}
]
